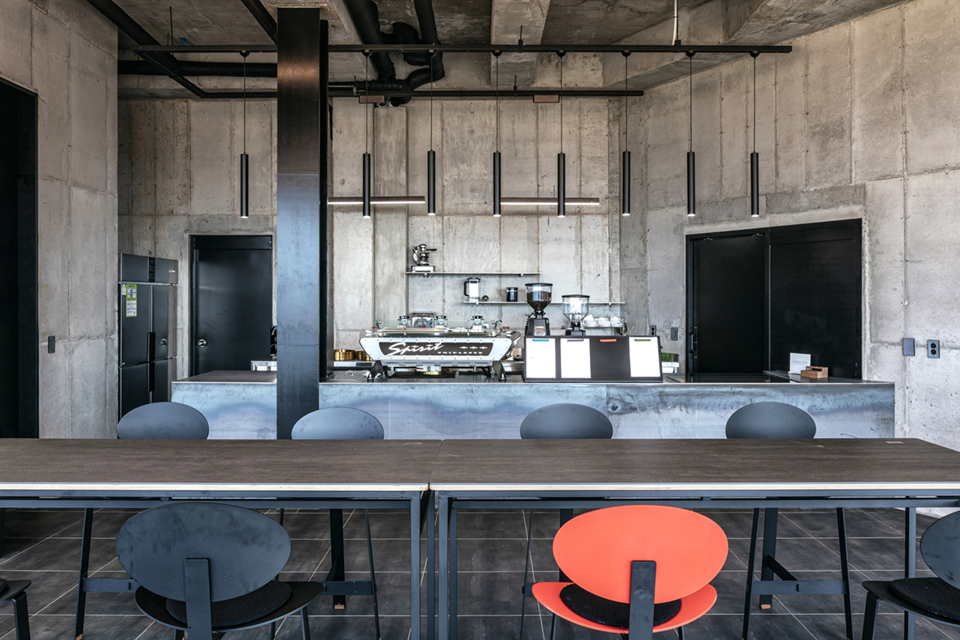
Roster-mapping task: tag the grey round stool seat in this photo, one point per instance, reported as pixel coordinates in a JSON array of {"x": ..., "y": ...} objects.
[
  {"x": 566, "y": 421},
  {"x": 562, "y": 421},
  {"x": 337, "y": 423},
  {"x": 163, "y": 421},
  {"x": 770, "y": 420}
]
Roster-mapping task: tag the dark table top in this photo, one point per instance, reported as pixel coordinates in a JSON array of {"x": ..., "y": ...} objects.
[
  {"x": 708, "y": 466},
  {"x": 310, "y": 467}
]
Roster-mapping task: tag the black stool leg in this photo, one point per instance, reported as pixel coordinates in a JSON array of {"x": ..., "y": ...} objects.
[
  {"x": 845, "y": 573},
  {"x": 870, "y": 617},
  {"x": 305, "y": 623},
  {"x": 373, "y": 575},
  {"x": 680, "y": 632},
  {"x": 280, "y": 519},
  {"x": 2, "y": 513},
  {"x": 84, "y": 568},
  {"x": 337, "y": 570},
  {"x": 769, "y": 551},
  {"x": 21, "y": 617},
  {"x": 526, "y": 571},
  {"x": 179, "y": 634},
  {"x": 754, "y": 534}
]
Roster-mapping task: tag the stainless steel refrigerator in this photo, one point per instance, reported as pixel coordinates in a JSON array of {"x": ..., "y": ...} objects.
[{"x": 148, "y": 330}]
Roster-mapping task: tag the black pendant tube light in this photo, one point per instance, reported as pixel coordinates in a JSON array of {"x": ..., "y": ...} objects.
[
  {"x": 497, "y": 192},
  {"x": 366, "y": 144},
  {"x": 691, "y": 158},
  {"x": 244, "y": 158},
  {"x": 625, "y": 161},
  {"x": 754, "y": 157},
  {"x": 431, "y": 157},
  {"x": 561, "y": 159}
]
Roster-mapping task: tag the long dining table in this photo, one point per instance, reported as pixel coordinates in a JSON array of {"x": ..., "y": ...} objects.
[
  {"x": 273, "y": 474},
  {"x": 714, "y": 474}
]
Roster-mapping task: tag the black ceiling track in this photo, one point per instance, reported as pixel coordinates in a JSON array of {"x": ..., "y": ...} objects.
[{"x": 261, "y": 15}]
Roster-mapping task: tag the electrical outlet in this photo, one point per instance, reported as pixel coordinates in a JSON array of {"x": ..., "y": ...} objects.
[
  {"x": 51, "y": 344},
  {"x": 933, "y": 348},
  {"x": 674, "y": 333},
  {"x": 653, "y": 329}
]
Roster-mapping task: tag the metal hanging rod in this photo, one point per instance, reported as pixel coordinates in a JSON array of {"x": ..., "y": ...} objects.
[{"x": 473, "y": 48}]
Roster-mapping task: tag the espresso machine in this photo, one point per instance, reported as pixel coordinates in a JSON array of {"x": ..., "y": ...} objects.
[
  {"x": 575, "y": 307},
  {"x": 538, "y": 297}
]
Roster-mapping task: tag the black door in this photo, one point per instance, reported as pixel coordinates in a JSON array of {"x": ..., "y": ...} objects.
[
  {"x": 232, "y": 302},
  {"x": 727, "y": 304},
  {"x": 19, "y": 335}
]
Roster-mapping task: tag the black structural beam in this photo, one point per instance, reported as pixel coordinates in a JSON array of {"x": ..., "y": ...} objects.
[
  {"x": 479, "y": 48},
  {"x": 304, "y": 247},
  {"x": 260, "y": 13}
]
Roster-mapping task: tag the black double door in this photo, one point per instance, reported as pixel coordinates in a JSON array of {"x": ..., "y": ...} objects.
[
  {"x": 19, "y": 335},
  {"x": 231, "y": 302},
  {"x": 755, "y": 297}
]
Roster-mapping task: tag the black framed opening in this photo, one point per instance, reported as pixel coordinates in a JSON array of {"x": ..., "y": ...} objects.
[
  {"x": 19, "y": 348},
  {"x": 231, "y": 302},
  {"x": 757, "y": 295}
]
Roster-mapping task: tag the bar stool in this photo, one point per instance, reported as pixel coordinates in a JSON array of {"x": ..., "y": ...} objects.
[
  {"x": 937, "y": 599},
  {"x": 210, "y": 568},
  {"x": 635, "y": 570},
  {"x": 342, "y": 423},
  {"x": 564, "y": 421},
  {"x": 16, "y": 592},
  {"x": 157, "y": 421},
  {"x": 779, "y": 420}
]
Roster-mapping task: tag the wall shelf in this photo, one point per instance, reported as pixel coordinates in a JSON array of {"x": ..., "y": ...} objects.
[
  {"x": 470, "y": 274},
  {"x": 502, "y": 302}
]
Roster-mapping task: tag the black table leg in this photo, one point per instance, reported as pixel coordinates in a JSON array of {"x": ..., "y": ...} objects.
[
  {"x": 84, "y": 569},
  {"x": 444, "y": 569},
  {"x": 910, "y": 562},
  {"x": 769, "y": 551},
  {"x": 337, "y": 570},
  {"x": 431, "y": 572},
  {"x": 414, "y": 568}
]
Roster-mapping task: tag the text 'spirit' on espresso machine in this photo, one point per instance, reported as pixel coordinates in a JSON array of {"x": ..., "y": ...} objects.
[{"x": 538, "y": 297}]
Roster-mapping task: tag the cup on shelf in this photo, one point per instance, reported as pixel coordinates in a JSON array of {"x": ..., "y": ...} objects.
[
  {"x": 589, "y": 321},
  {"x": 616, "y": 321},
  {"x": 603, "y": 321}
]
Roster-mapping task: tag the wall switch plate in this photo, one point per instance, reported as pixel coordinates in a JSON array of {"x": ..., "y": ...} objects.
[
  {"x": 674, "y": 333},
  {"x": 933, "y": 348},
  {"x": 51, "y": 344},
  {"x": 653, "y": 329},
  {"x": 909, "y": 348}
]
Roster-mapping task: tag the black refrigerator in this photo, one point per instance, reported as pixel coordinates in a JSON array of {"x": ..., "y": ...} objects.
[{"x": 148, "y": 330}]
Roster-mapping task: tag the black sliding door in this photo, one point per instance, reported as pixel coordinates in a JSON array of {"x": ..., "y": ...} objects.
[
  {"x": 727, "y": 304},
  {"x": 19, "y": 336},
  {"x": 753, "y": 298},
  {"x": 815, "y": 296},
  {"x": 231, "y": 305}
]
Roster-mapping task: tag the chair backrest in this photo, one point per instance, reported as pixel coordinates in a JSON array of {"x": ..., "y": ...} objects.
[
  {"x": 245, "y": 549},
  {"x": 566, "y": 421},
  {"x": 940, "y": 550},
  {"x": 163, "y": 421},
  {"x": 770, "y": 420},
  {"x": 337, "y": 423},
  {"x": 596, "y": 549}
]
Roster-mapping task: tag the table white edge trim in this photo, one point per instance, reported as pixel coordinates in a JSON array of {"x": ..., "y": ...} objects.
[
  {"x": 731, "y": 486},
  {"x": 239, "y": 487}
]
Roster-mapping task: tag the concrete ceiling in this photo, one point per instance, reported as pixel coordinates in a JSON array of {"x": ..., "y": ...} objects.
[{"x": 498, "y": 21}]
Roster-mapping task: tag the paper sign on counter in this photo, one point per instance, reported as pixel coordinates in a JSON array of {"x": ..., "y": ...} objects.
[
  {"x": 799, "y": 362},
  {"x": 644, "y": 358},
  {"x": 541, "y": 358},
  {"x": 575, "y": 358}
]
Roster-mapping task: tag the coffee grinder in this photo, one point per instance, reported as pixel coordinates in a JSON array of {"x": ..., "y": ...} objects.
[
  {"x": 538, "y": 297},
  {"x": 575, "y": 307}
]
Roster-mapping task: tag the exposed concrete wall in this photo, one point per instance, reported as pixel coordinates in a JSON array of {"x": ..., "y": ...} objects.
[
  {"x": 179, "y": 173},
  {"x": 857, "y": 122},
  {"x": 580, "y": 253},
  {"x": 66, "y": 52}
]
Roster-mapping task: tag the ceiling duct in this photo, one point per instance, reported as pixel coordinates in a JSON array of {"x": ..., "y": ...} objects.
[{"x": 366, "y": 19}]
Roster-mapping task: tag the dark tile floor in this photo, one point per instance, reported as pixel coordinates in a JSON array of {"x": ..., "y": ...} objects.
[{"x": 44, "y": 547}]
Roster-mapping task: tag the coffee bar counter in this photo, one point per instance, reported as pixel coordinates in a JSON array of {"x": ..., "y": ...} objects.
[{"x": 242, "y": 404}]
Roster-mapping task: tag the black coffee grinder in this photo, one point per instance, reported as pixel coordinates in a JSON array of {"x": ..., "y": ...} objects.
[{"x": 538, "y": 297}]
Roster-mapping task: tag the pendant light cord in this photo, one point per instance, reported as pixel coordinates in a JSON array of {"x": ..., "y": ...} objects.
[
  {"x": 366, "y": 91},
  {"x": 626, "y": 97},
  {"x": 561, "y": 100},
  {"x": 754, "y": 104},
  {"x": 691, "y": 102},
  {"x": 497, "y": 56},
  {"x": 431, "y": 101}
]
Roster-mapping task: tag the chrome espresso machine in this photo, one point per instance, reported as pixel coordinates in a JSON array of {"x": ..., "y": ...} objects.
[{"x": 426, "y": 345}]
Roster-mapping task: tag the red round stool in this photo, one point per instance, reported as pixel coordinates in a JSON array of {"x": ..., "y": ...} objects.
[{"x": 635, "y": 563}]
